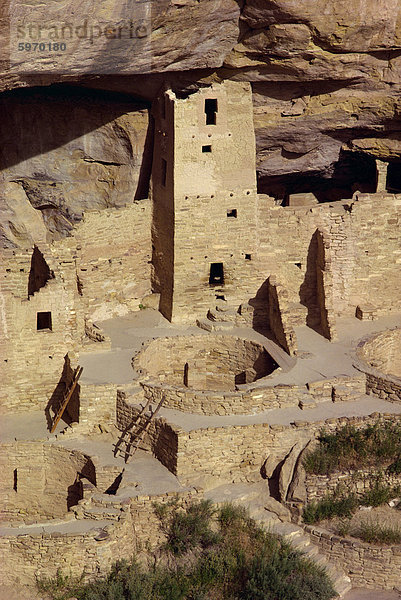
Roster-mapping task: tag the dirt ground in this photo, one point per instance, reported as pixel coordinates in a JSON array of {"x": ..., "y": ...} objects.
[
  {"x": 382, "y": 515},
  {"x": 20, "y": 593},
  {"x": 362, "y": 594}
]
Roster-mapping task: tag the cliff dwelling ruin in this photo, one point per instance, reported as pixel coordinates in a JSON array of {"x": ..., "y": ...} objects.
[{"x": 182, "y": 313}]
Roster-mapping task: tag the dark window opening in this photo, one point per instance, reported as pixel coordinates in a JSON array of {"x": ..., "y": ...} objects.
[
  {"x": 15, "y": 485},
  {"x": 240, "y": 378},
  {"x": 80, "y": 286},
  {"x": 186, "y": 369},
  {"x": 164, "y": 172},
  {"x": 40, "y": 272},
  {"x": 248, "y": 256},
  {"x": 75, "y": 492},
  {"x": 354, "y": 171},
  {"x": 210, "y": 111},
  {"x": 232, "y": 213},
  {"x": 394, "y": 177},
  {"x": 299, "y": 265},
  {"x": 112, "y": 489},
  {"x": 206, "y": 148},
  {"x": 216, "y": 276},
  {"x": 44, "y": 321},
  {"x": 220, "y": 297}
]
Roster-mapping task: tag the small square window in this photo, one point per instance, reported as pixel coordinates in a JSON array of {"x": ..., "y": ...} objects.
[
  {"x": 44, "y": 321},
  {"x": 232, "y": 214},
  {"x": 206, "y": 148},
  {"x": 248, "y": 256}
]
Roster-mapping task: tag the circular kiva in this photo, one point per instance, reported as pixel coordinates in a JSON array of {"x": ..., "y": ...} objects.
[
  {"x": 213, "y": 374},
  {"x": 383, "y": 352},
  {"x": 40, "y": 481},
  {"x": 379, "y": 356}
]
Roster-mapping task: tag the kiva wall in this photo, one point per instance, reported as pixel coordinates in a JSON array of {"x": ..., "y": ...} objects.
[{"x": 379, "y": 357}]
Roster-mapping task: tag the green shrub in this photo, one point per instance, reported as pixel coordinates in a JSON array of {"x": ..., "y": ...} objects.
[
  {"x": 351, "y": 448},
  {"x": 229, "y": 514},
  {"x": 243, "y": 563},
  {"x": 329, "y": 507},
  {"x": 375, "y": 533},
  {"x": 395, "y": 467},
  {"x": 344, "y": 527},
  {"x": 284, "y": 573},
  {"x": 341, "y": 504},
  {"x": 191, "y": 528},
  {"x": 379, "y": 494}
]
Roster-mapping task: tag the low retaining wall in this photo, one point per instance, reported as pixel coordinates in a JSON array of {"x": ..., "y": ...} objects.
[
  {"x": 26, "y": 558},
  {"x": 386, "y": 387},
  {"x": 225, "y": 403},
  {"x": 367, "y": 565}
]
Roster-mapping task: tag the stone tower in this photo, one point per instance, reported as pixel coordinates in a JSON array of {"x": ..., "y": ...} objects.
[{"x": 204, "y": 199}]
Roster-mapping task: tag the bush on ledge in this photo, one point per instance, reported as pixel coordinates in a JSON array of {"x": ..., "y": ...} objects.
[{"x": 209, "y": 555}]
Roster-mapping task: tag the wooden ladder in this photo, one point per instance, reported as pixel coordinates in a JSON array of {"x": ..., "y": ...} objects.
[
  {"x": 133, "y": 435},
  {"x": 66, "y": 398}
]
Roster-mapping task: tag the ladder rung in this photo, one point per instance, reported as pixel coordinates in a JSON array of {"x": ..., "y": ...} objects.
[
  {"x": 67, "y": 398},
  {"x": 141, "y": 422}
]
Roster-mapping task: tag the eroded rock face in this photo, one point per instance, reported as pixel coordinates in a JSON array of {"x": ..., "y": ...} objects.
[
  {"x": 61, "y": 155},
  {"x": 326, "y": 84}
]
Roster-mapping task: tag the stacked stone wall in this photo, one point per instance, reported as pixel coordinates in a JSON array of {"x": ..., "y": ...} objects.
[
  {"x": 26, "y": 558},
  {"x": 367, "y": 565},
  {"x": 352, "y": 481},
  {"x": 114, "y": 258},
  {"x": 161, "y": 437},
  {"x": 32, "y": 359},
  {"x": 379, "y": 356},
  {"x": 279, "y": 317},
  {"x": 138, "y": 531},
  {"x": 237, "y": 453},
  {"x": 219, "y": 403},
  {"x": 148, "y": 526},
  {"x": 364, "y": 251},
  {"x": 160, "y": 366},
  {"x": 38, "y": 480},
  {"x": 101, "y": 268},
  {"x": 97, "y": 406}
]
